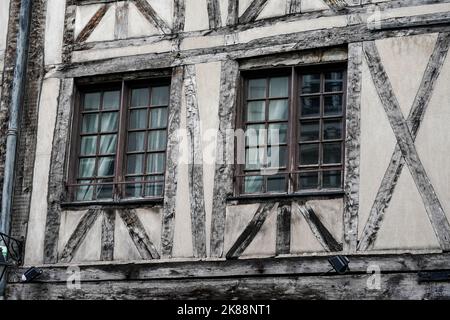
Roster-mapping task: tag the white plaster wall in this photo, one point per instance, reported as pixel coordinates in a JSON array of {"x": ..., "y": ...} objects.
[
  {"x": 274, "y": 8},
  {"x": 138, "y": 25},
  {"x": 124, "y": 247},
  {"x": 105, "y": 29},
  {"x": 164, "y": 9},
  {"x": 90, "y": 249},
  {"x": 302, "y": 238},
  {"x": 38, "y": 207},
  {"x": 54, "y": 29},
  {"x": 83, "y": 15},
  {"x": 243, "y": 5},
  {"x": 196, "y": 15},
  {"x": 237, "y": 218},
  {"x": 313, "y": 5},
  {"x": 69, "y": 221},
  {"x": 151, "y": 219}
]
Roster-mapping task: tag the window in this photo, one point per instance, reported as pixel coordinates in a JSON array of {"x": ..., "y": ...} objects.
[
  {"x": 293, "y": 121},
  {"x": 120, "y": 144}
]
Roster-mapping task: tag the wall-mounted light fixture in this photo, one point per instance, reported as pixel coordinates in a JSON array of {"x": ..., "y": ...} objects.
[{"x": 339, "y": 264}]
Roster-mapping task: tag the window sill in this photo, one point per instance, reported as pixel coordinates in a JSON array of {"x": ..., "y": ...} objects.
[
  {"x": 113, "y": 204},
  {"x": 253, "y": 198}
]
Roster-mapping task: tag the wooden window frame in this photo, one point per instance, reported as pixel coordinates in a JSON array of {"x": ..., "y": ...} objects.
[{"x": 293, "y": 140}]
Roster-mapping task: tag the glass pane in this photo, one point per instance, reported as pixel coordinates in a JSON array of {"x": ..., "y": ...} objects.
[
  {"x": 136, "y": 141},
  {"x": 279, "y": 87},
  {"x": 255, "y": 135},
  {"x": 106, "y": 166},
  {"x": 278, "y": 109},
  {"x": 308, "y": 180},
  {"x": 276, "y": 184},
  {"x": 155, "y": 162},
  {"x": 332, "y": 129},
  {"x": 310, "y": 83},
  {"x": 104, "y": 191},
  {"x": 88, "y": 146},
  {"x": 108, "y": 144},
  {"x": 278, "y": 133},
  {"x": 334, "y": 81},
  {"x": 111, "y": 100},
  {"x": 92, "y": 101},
  {"x": 89, "y": 123},
  {"x": 138, "y": 119},
  {"x": 309, "y": 131},
  {"x": 277, "y": 156},
  {"x": 157, "y": 140},
  {"x": 310, "y": 107},
  {"x": 253, "y": 158},
  {"x": 256, "y": 111},
  {"x": 253, "y": 184},
  {"x": 155, "y": 189},
  {"x": 309, "y": 154},
  {"x": 332, "y": 153},
  {"x": 84, "y": 193},
  {"x": 158, "y": 118},
  {"x": 134, "y": 190},
  {"x": 135, "y": 163},
  {"x": 87, "y": 167},
  {"x": 140, "y": 97},
  {"x": 160, "y": 96},
  {"x": 110, "y": 122},
  {"x": 333, "y": 105},
  {"x": 332, "y": 179},
  {"x": 257, "y": 88}
]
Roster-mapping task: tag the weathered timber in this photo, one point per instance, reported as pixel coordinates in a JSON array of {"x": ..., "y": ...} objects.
[
  {"x": 57, "y": 172},
  {"x": 195, "y": 165},
  {"x": 405, "y": 142},
  {"x": 108, "y": 224},
  {"x": 214, "y": 18},
  {"x": 293, "y": 6},
  {"x": 170, "y": 188},
  {"x": 146, "y": 248},
  {"x": 121, "y": 23},
  {"x": 223, "y": 176},
  {"x": 251, "y": 230},
  {"x": 93, "y": 23},
  {"x": 283, "y": 239},
  {"x": 233, "y": 12},
  {"x": 415, "y": 117},
  {"x": 325, "y": 238},
  {"x": 179, "y": 8},
  {"x": 352, "y": 147},
  {"x": 152, "y": 16},
  {"x": 79, "y": 234},
  {"x": 336, "y": 5},
  {"x": 69, "y": 32},
  {"x": 253, "y": 11}
]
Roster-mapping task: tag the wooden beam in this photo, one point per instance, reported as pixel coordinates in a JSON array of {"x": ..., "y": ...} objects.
[
  {"x": 322, "y": 234},
  {"x": 108, "y": 226},
  {"x": 283, "y": 240},
  {"x": 138, "y": 234},
  {"x": 252, "y": 229},
  {"x": 195, "y": 165},
  {"x": 79, "y": 234},
  {"x": 293, "y": 6},
  {"x": 121, "y": 23},
  {"x": 405, "y": 142},
  {"x": 233, "y": 12},
  {"x": 152, "y": 16},
  {"x": 253, "y": 11},
  {"x": 93, "y": 23},
  {"x": 214, "y": 16},
  {"x": 170, "y": 188},
  {"x": 179, "y": 12},
  {"x": 336, "y": 5}
]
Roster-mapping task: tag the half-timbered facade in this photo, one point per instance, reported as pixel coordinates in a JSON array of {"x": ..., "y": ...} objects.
[{"x": 227, "y": 148}]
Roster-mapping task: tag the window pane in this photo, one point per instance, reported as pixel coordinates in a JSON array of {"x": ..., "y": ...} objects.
[
  {"x": 256, "y": 111},
  {"x": 277, "y": 156},
  {"x": 87, "y": 167},
  {"x": 255, "y": 135},
  {"x": 108, "y": 144},
  {"x": 84, "y": 193},
  {"x": 135, "y": 163},
  {"x": 133, "y": 190},
  {"x": 332, "y": 129},
  {"x": 253, "y": 184},
  {"x": 88, "y": 145},
  {"x": 310, "y": 83},
  {"x": 155, "y": 189},
  {"x": 310, "y": 107},
  {"x": 279, "y": 87},
  {"x": 333, "y": 105},
  {"x": 104, "y": 191},
  {"x": 111, "y": 100},
  {"x": 278, "y": 133},
  {"x": 308, "y": 180},
  {"x": 92, "y": 101},
  {"x": 105, "y": 166},
  {"x": 158, "y": 118},
  {"x": 332, "y": 179},
  {"x": 309, "y": 131},
  {"x": 309, "y": 154},
  {"x": 253, "y": 158},
  {"x": 157, "y": 140},
  {"x": 109, "y": 122},
  {"x": 257, "y": 88},
  {"x": 138, "y": 119},
  {"x": 276, "y": 184},
  {"x": 136, "y": 141},
  {"x": 332, "y": 153},
  {"x": 140, "y": 98},
  {"x": 334, "y": 81},
  {"x": 89, "y": 123},
  {"x": 278, "y": 109},
  {"x": 160, "y": 96},
  {"x": 155, "y": 162}
]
